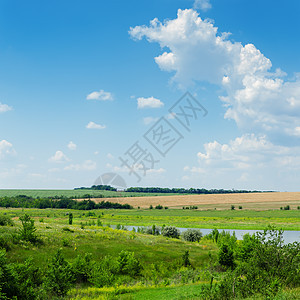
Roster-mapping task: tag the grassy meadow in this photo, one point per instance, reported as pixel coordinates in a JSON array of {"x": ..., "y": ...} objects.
[{"x": 85, "y": 259}]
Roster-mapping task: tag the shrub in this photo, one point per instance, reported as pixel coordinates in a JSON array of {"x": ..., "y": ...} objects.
[
  {"x": 5, "y": 220},
  {"x": 158, "y": 206},
  {"x": 192, "y": 235},
  {"x": 185, "y": 259},
  {"x": 103, "y": 273},
  {"x": 5, "y": 241},
  {"x": 171, "y": 231},
  {"x": 240, "y": 207},
  {"x": 82, "y": 267},
  {"x": 287, "y": 207},
  {"x": 127, "y": 264},
  {"x": 59, "y": 277},
  {"x": 70, "y": 219},
  {"x": 232, "y": 207},
  {"x": 225, "y": 256},
  {"x": 27, "y": 232},
  {"x": 151, "y": 206}
]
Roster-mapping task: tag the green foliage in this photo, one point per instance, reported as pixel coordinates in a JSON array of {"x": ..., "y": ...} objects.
[
  {"x": 27, "y": 231},
  {"x": 185, "y": 259},
  {"x": 6, "y": 241},
  {"x": 103, "y": 273},
  {"x": 171, "y": 231},
  {"x": 226, "y": 257},
  {"x": 5, "y": 220},
  {"x": 70, "y": 218},
  {"x": 232, "y": 207},
  {"x": 159, "y": 206},
  {"x": 127, "y": 264},
  {"x": 192, "y": 235},
  {"x": 59, "y": 276},
  {"x": 82, "y": 268}
]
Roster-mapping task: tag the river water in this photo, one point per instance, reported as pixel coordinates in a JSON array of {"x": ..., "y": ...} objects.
[{"x": 289, "y": 236}]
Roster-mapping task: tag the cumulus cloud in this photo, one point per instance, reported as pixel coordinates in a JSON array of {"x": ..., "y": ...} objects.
[
  {"x": 150, "y": 102},
  {"x": 59, "y": 157},
  {"x": 258, "y": 99},
  {"x": 101, "y": 96},
  {"x": 93, "y": 125},
  {"x": 72, "y": 146},
  {"x": 203, "y": 5},
  {"x": 4, "y": 108},
  {"x": 6, "y": 149},
  {"x": 87, "y": 165}
]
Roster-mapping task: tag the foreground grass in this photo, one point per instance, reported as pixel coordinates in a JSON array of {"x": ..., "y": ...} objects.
[{"x": 179, "y": 292}]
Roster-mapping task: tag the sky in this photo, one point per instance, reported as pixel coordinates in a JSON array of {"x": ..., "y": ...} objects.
[{"x": 166, "y": 93}]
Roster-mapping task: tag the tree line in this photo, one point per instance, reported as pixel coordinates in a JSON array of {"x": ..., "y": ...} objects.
[{"x": 63, "y": 202}]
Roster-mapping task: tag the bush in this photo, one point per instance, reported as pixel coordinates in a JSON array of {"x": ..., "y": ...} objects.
[
  {"x": 225, "y": 256},
  {"x": 192, "y": 235},
  {"x": 103, "y": 273},
  {"x": 127, "y": 264},
  {"x": 82, "y": 267},
  {"x": 27, "y": 232},
  {"x": 287, "y": 207},
  {"x": 232, "y": 207},
  {"x": 5, "y": 220},
  {"x": 240, "y": 207},
  {"x": 6, "y": 241},
  {"x": 171, "y": 231},
  {"x": 59, "y": 277},
  {"x": 158, "y": 206}
]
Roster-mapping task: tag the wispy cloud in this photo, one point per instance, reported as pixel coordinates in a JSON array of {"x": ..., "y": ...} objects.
[
  {"x": 101, "y": 96},
  {"x": 72, "y": 146},
  {"x": 59, "y": 157},
  {"x": 4, "y": 108},
  {"x": 93, "y": 125}
]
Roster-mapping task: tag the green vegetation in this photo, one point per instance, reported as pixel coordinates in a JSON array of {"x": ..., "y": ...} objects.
[
  {"x": 99, "y": 262},
  {"x": 64, "y": 202},
  {"x": 74, "y": 254}
]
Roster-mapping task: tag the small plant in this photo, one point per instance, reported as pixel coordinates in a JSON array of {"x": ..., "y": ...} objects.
[
  {"x": 298, "y": 207},
  {"x": 99, "y": 223},
  {"x": 171, "y": 231},
  {"x": 59, "y": 275},
  {"x": 41, "y": 220},
  {"x": 70, "y": 218},
  {"x": 27, "y": 232},
  {"x": 5, "y": 220},
  {"x": 67, "y": 229},
  {"x": 240, "y": 207},
  {"x": 232, "y": 207},
  {"x": 185, "y": 259},
  {"x": 66, "y": 243},
  {"x": 192, "y": 235}
]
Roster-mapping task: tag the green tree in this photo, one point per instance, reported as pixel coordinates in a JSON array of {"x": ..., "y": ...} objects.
[{"x": 70, "y": 218}]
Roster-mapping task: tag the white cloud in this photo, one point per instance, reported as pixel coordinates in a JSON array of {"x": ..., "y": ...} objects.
[
  {"x": 101, "y": 96},
  {"x": 156, "y": 171},
  {"x": 257, "y": 99},
  {"x": 150, "y": 102},
  {"x": 204, "y": 5},
  {"x": 93, "y": 125},
  {"x": 59, "y": 157},
  {"x": 149, "y": 120},
  {"x": 109, "y": 156},
  {"x": 4, "y": 108},
  {"x": 72, "y": 146},
  {"x": 6, "y": 149},
  {"x": 87, "y": 165}
]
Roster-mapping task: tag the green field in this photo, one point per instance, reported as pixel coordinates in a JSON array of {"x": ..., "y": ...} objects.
[
  {"x": 162, "y": 274},
  {"x": 74, "y": 193}
]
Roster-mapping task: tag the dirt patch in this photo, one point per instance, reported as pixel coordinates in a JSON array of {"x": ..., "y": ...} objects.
[{"x": 249, "y": 200}]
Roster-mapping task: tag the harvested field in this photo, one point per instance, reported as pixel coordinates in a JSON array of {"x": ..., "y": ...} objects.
[{"x": 256, "y": 201}]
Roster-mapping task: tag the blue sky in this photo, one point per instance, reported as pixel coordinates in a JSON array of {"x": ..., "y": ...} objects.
[{"x": 82, "y": 81}]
